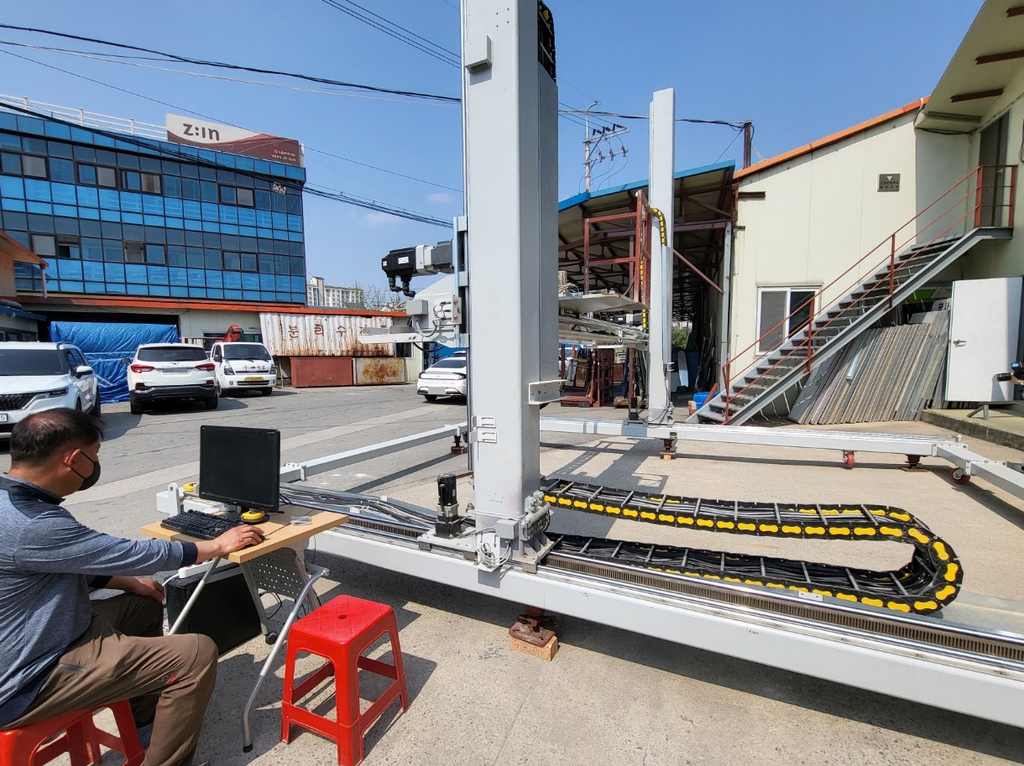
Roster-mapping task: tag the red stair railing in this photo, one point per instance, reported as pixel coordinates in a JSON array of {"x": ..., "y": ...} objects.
[{"x": 974, "y": 183}]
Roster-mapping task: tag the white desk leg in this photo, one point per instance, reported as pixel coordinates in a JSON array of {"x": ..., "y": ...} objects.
[
  {"x": 281, "y": 640},
  {"x": 194, "y": 597}
]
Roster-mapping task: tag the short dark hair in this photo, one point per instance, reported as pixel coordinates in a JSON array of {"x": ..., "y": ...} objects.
[{"x": 43, "y": 434}]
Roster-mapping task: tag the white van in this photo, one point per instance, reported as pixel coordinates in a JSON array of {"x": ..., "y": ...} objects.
[{"x": 239, "y": 366}]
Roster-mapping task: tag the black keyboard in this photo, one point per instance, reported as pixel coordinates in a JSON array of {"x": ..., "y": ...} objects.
[{"x": 202, "y": 525}]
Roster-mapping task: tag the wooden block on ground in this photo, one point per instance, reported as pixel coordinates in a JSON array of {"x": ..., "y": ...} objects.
[{"x": 546, "y": 652}]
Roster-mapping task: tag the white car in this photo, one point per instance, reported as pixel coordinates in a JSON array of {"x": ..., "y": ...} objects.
[
  {"x": 170, "y": 372},
  {"x": 444, "y": 378},
  {"x": 240, "y": 366},
  {"x": 43, "y": 376}
]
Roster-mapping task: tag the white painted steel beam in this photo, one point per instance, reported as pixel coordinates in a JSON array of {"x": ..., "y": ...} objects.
[
  {"x": 901, "y": 670},
  {"x": 301, "y": 471},
  {"x": 895, "y": 444},
  {"x": 662, "y": 170}
]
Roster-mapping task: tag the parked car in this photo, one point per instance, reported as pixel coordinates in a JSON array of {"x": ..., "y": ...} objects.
[
  {"x": 444, "y": 378},
  {"x": 175, "y": 372},
  {"x": 43, "y": 376},
  {"x": 239, "y": 366}
]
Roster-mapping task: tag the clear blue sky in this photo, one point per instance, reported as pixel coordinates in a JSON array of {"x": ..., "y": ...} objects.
[{"x": 799, "y": 69}]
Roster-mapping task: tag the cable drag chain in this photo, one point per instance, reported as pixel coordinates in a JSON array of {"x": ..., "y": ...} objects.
[{"x": 928, "y": 582}]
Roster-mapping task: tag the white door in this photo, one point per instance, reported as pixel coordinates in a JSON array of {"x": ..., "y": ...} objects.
[{"x": 984, "y": 320}]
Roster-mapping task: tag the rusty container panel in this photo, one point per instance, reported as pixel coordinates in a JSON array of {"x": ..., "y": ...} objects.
[
  {"x": 378, "y": 371},
  {"x": 313, "y": 371},
  {"x": 306, "y": 335}
]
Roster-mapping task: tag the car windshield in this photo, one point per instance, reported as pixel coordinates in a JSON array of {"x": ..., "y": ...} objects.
[
  {"x": 172, "y": 354},
  {"x": 31, "y": 361},
  {"x": 246, "y": 351},
  {"x": 450, "y": 364}
]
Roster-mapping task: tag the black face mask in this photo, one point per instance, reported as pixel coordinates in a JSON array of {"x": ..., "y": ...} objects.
[{"x": 92, "y": 478}]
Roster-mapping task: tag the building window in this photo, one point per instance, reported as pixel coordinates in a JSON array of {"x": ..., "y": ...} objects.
[
  {"x": 62, "y": 170},
  {"x": 106, "y": 177},
  {"x": 33, "y": 166},
  {"x": 68, "y": 247},
  {"x": 134, "y": 252},
  {"x": 87, "y": 174},
  {"x": 244, "y": 197},
  {"x": 151, "y": 183},
  {"x": 44, "y": 245},
  {"x": 131, "y": 180},
  {"x": 227, "y": 195},
  {"x": 782, "y": 312},
  {"x": 11, "y": 163}
]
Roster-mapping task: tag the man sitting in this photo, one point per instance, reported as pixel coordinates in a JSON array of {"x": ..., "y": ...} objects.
[{"x": 61, "y": 652}]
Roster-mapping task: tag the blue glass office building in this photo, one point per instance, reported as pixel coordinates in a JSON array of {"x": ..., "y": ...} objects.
[{"x": 118, "y": 215}]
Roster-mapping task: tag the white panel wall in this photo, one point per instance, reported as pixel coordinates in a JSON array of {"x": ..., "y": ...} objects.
[
  {"x": 194, "y": 323},
  {"x": 822, "y": 213}
]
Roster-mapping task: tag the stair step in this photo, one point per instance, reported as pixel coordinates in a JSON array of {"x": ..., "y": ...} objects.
[{"x": 712, "y": 415}]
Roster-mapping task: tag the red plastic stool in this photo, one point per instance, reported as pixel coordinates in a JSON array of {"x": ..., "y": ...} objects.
[
  {"x": 80, "y": 738},
  {"x": 339, "y": 632}
]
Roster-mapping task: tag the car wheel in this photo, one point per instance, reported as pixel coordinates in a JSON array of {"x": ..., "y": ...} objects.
[
  {"x": 95, "y": 411},
  {"x": 266, "y": 391},
  {"x": 212, "y": 402},
  {"x": 220, "y": 391},
  {"x": 135, "y": 405},
  {"x": 430, "y": 397},
  {"x": 78, "y": 404}
]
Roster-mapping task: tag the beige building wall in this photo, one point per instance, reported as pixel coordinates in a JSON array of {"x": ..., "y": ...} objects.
[{"x": 821, "y": 214}]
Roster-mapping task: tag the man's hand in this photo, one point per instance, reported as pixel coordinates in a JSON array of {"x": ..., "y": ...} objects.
[
  {"x": 233, "y": 540},
  {"x": 239, "y": 537},
  {"x": 138, "y": 585}
]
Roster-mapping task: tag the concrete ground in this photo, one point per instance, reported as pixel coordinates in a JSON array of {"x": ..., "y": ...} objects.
[{"x": 609, "y": 696}]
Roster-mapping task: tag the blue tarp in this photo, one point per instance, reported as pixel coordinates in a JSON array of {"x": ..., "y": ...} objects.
[{"x": 105, "y": 345}]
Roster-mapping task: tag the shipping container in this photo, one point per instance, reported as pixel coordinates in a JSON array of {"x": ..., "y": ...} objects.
[
  {"x": 378, "y": 371},
  {"x": 306, "y": 335},
  {"x": 313, "y": 371}
]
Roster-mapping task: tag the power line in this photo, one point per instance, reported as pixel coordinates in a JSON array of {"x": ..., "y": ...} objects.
[
  {"x": 225, "y": 122},
  {"x": 735, "y": 125},
  {"x": 349, "y": 199},
  {"x": 337, "y": 196},
  {"x": 237, "y": 67},
  {"x": 394, "y": 30}
]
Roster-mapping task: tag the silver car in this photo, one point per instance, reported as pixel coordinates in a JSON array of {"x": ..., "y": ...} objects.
[{"x": 445, "y": 378}]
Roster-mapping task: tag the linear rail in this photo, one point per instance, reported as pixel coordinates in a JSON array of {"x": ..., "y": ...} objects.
[{"x": 928, "y": 582}]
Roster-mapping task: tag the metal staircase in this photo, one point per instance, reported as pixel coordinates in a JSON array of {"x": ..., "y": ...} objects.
[{"x": 890, "y": 283}]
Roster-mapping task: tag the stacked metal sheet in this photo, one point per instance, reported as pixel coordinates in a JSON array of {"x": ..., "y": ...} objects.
[{"x": 891, "y": 373}]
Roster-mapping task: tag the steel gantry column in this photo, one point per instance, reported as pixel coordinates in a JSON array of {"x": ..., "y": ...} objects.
[
  {"x": 659, "y": 398},
  {"x": 510, "y": 112}
]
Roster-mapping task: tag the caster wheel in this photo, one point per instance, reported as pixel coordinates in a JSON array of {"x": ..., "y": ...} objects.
[
  {"x": 270, "y": 638},
  {"x": 848, "y": 460},
  {"x": 959, "y": 476}
]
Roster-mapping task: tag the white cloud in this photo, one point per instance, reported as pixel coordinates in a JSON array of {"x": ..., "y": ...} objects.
[
  {"x": 440, "y": 198},
  {"x": 377, "y": 218}
]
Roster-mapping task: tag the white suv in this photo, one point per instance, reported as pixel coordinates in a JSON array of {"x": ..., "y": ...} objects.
[
  {"x": 243, "y": 365},
  {"x": 43, "y": 376},
  {"x": 170, "y": 372}
]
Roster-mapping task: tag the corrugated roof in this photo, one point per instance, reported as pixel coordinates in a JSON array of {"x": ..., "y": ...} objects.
[
  {"x": 19, "y": 252},
  {"x": 20, "y": 313},
  {"x": 832, "y": 139},
  {"x": 642, "y": 184}
]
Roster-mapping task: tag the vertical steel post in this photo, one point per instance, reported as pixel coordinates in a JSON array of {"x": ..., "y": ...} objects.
[
  {"x": 892, "y": 267},
  {"x": 1013, "y": 195},
  {"x": 663, "y": 108},
  {"x": 725, "y": 322},
  {"x": 978, "y": 196},
  {"x": 510, "y": 112}
]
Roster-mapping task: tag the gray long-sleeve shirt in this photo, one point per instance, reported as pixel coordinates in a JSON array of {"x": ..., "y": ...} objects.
[{"x": 48, "y": 562}]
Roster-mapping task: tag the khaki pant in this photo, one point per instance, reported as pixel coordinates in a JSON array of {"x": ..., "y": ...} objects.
[{"x": 123, "y": 655}]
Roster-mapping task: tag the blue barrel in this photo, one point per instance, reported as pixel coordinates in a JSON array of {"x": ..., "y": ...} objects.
[{"x": 700, "y": 398}]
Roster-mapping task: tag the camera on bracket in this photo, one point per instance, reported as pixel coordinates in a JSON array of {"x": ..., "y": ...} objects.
[{"x": 1015, "y": 375}]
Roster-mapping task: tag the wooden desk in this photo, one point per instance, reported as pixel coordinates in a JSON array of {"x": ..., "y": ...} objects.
[
  {"x": 278, "y": 531},
  {"x": 278, "y": 534}
]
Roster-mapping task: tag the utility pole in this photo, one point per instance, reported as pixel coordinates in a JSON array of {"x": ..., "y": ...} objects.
[
  {"x": 592, "y": 139},
  {"x": 748, "y": 141},
  {"x": 586, "y": 142}
]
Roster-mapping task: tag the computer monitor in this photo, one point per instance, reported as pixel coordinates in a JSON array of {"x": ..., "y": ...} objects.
[{"x": 241, "y": 466}]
